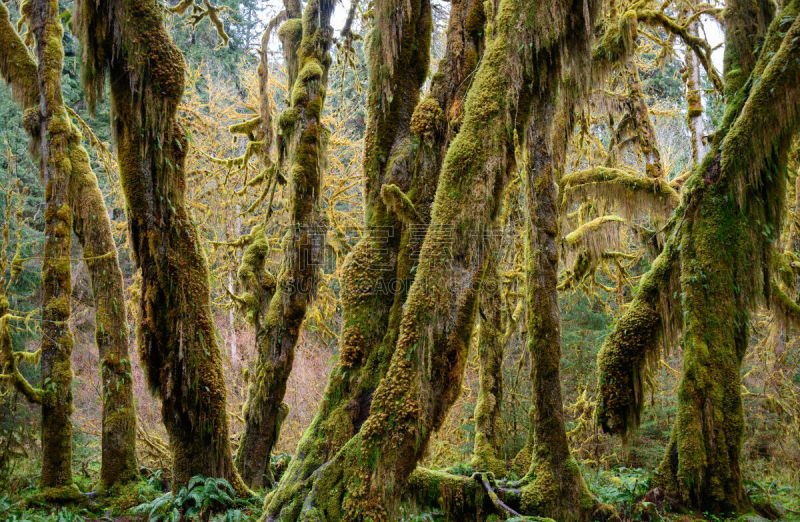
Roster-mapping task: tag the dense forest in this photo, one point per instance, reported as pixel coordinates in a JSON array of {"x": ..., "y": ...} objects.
[{"x": 399, "y": 260}]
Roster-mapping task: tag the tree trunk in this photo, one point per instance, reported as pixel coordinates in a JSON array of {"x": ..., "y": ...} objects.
[
  {"x": 694, "y": 100},
  {"x": 487, "y": 451},
  {"x": 264, "y": 410},
  {"x": 57, "y": 341},
  {"x": 365, "y": 478},
  {"x": 127, "y": 41},
  {"x": 553, "y": 486},
  {"x": 92, "y": 226},
  {"x": 731, "y": 209}
]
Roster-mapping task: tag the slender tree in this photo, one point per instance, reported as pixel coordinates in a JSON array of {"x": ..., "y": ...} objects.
[
  {"x": 303, "y": 137},
  {"x": 92, "y": 226},
  {"x": 57, "y": 342}
]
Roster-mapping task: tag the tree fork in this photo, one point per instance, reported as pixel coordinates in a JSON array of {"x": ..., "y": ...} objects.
[{"x": 264, "y": 410}]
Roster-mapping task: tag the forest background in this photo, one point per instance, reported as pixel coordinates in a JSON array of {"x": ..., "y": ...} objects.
[{"x": 226, "y": 200}]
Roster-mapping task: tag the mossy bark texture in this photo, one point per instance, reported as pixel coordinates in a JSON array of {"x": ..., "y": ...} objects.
[
  {"x": 370, "y": 297},
  {"x": 57, "y": 341},
  {"x": 92, "y": 226},
  {"x": 364, "y": 480},
  {"x": 406, "y": 141},
  {"x": 723, "y": 242},
  {"x": 487, "y": 450},
  {"x": 303, "y": 246},
  {"x": 127, "y": 42}
]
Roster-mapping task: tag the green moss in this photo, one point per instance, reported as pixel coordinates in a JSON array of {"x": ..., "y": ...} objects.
[{"x": 427, "y": 117}]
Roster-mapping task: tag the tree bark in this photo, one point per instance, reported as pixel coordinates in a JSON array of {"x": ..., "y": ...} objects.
[
  {"x": 723, "y": 240},
  {"x": 365, "y": 478},
  {"x": 127, "y": 42},
  {"x": 379, "y": 271},
  {"x": 303, "y": 247},
  {"x": 487, "y": 451},
  {"x": 57, "y": 341}
]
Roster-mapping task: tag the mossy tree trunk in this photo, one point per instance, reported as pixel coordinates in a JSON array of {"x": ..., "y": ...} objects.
[
  {"x": 365, "y": 478},
  {"x": 92, "y": 226},
  {"x": 401, "y": 185},
  {"x": 57, "y": 341},
  {"x": 553, "y": 485},
  {"x": 487, "y": 450},
  {"x": 694, "y": 99},
  {"x": 127, "y": 42},
  {"x": 722, "y": 242},
  {"x": 303, "y": 246}
]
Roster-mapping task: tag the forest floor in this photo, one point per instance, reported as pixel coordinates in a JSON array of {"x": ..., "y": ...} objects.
[{"x": 212, "y": 499}]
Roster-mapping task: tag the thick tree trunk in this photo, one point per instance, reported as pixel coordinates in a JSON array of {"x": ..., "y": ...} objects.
[
  {"x": 731, "y": 207},
  {"x": 553, "y": 486},
  {"x": 304, "y": 244},
  {"x": 127, "y": 41},
  {"x": 365, "y": 478},
  {"x": 92, "y": 226}
]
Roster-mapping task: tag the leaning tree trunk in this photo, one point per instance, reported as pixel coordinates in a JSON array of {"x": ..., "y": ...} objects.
[
  {"x": 302, "y": 130},
  {"x": 91, "y": 224},
  {"x": 400, "y": 187},
  {"x": 723, "y": 242},
  {"x": 127, "y": 42},
  {"x": 365, "y": 478}
]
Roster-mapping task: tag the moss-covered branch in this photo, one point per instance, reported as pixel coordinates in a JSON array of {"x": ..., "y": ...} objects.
[
  {"x": 635, "y": 195},
  {"x": 623, "y": 361},
  {"x": 9, "y": 373}
]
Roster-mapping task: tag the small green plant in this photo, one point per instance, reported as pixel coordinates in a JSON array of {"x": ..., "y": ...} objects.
[
  {"x": 203, "y": 498},
  {"x": 621, "y": 487}
]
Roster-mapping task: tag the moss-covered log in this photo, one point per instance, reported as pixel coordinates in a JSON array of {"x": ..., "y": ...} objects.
[
  {"x": 127, "y": 43},
  {"x": 365, "y": 478},
  {"x": 303, "y": 246}
]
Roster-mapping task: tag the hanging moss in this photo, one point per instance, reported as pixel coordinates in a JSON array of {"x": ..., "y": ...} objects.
[{"x": 127, "y": 42}]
